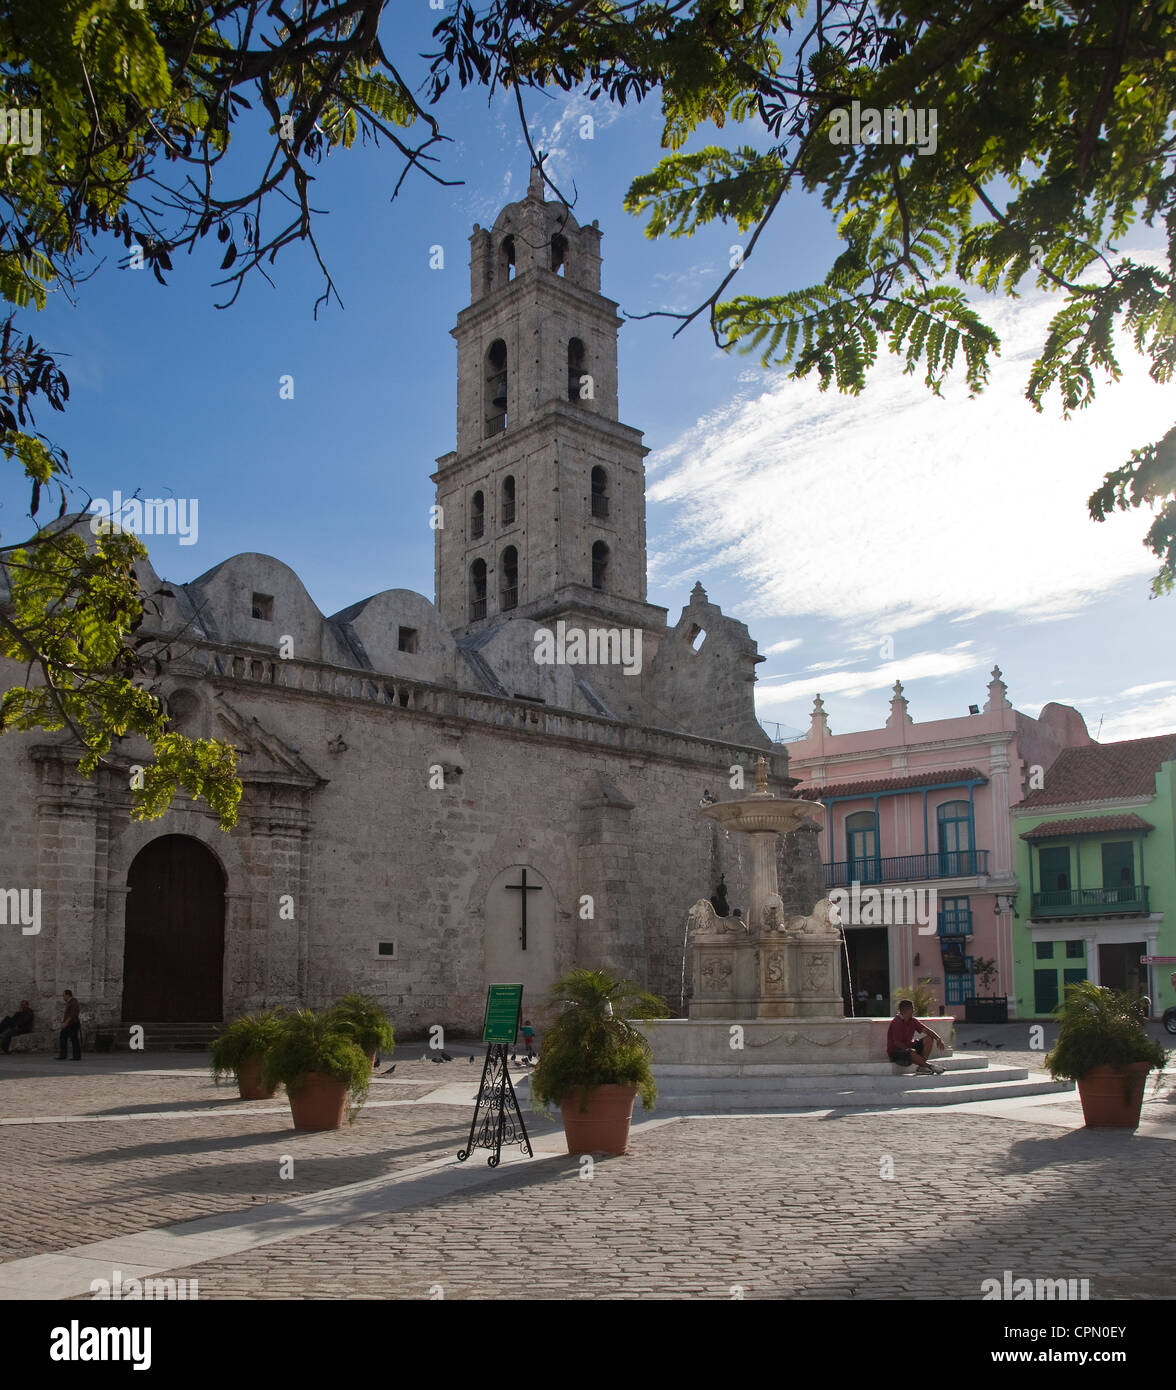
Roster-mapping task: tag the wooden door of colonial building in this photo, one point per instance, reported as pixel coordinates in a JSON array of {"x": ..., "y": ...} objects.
[{"x": 173, "y": 957}]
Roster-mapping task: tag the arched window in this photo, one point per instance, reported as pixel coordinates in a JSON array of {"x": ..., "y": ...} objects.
[
  {"x": 477, "y": 590},
  {"x": 861, "y": 844},
  {"x": 506, "y": 261},
  {"x": 508, "y": 501},
  {"x": 559, "y": 253},
  {"x": 955, "y": 838},
  {"x": 599, "y": 492},
  {"x": 576, "y": 369},
  {"x": 496, "y": 388},
  {"x": 508, "y": 584},
  {"x": 477, "y": 515},
  {"x": 599, "y": 564}
]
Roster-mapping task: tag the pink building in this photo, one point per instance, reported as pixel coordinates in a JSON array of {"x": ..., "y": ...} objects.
[{"x": 918, "y": 815}]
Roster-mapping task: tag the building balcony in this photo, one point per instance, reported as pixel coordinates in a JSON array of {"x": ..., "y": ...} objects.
[
  {"x": 1125, "y": 900},
  {"x": 477, "y": 609},
  {"x": 599, "y": 505},
  {"x": 905, "y": 868}
]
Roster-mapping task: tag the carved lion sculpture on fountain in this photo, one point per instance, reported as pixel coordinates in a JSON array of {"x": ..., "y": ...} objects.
[
  {"x": 823, "y": 922},
  {"x": 703, "y": 920}
]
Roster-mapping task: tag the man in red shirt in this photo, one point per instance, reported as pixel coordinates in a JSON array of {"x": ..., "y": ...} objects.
[{"x": 909, "y": 1041}]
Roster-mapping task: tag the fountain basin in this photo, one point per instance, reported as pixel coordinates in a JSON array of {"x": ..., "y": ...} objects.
[
  {"x": 776, "y": 816},
  {"x": 734, "y": 1047}
]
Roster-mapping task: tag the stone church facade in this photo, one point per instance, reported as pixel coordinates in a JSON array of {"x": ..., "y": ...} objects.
[{"x": 412, "y": 772}]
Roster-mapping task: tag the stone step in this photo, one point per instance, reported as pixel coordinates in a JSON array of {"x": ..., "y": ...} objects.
[
  {"x": 928, "y": 1091},
  {"x": 958, "y": 1062},
  {"x": 168, "y": 1037},
  {"x": 704, "y": 1083}
]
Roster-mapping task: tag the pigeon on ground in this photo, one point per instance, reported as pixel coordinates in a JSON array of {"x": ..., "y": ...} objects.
[
  {"x": 389, "y": 1070},
  {"x": 471, "y": 1059},
  {"x": 445, "y": 1057}
]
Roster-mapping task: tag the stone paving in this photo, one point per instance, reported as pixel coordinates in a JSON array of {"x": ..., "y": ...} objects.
[{"x": 765, "y": 1206}]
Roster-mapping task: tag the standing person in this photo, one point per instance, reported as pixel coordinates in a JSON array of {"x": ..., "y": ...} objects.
[
  {"x": 15, "y": 1024},
  {"x": 529, "y": 1039},
  {"x": 908, "y": 1040},
  {"x": 71, "y": 1027}
]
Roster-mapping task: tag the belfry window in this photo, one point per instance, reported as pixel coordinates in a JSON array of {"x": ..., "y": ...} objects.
[
  {"x": 477, "y": 590},
  {"x": 506, "y": 261},
  {"x": 496, "y": 378},
  {"x": 508, "y": 501},
  {"x": 508, "y": 592},
  {"x": 599, "y": 492},
  {"x": 599, "y": 564},
  {"x": 559, "y": 253},
  {"x": 477, "y": 515},
  {"x": 576, "y": 369}
]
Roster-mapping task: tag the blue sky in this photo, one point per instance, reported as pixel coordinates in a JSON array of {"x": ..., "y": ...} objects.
[{"x": 955, "y": 528}]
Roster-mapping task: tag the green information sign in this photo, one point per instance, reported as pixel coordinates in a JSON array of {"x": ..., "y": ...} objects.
[{"x": 504, "y": 1007}]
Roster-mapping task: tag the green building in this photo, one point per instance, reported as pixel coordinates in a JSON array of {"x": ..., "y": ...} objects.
[{"x": 1096, "y": 873}]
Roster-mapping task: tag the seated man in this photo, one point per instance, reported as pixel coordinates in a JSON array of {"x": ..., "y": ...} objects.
[
  {"x": 909, "y": 1041},
  {"x": 19, "y": 1022}
]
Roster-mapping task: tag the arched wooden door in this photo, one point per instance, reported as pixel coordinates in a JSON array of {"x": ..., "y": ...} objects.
[{"x": 173, "y": 959}]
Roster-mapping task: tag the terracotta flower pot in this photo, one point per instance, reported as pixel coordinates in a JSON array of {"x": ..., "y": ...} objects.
[
  {"x": 1112, "y": 1096},
  {"x": 318, "y": 1103},
  {"x": 604, "y": 1126},
  {"x": 249, "y": 1081}
]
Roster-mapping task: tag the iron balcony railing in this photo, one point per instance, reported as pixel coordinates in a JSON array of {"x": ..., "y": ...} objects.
[
  {"x": 898, "y": 868},
  {"x": 1091, "y": 902},
  {"x": 508, "y": 513},
  {"x": 510, "y": 599},
  {"x": 477, "y": 609},
  {"x": 599, "y": 505}
]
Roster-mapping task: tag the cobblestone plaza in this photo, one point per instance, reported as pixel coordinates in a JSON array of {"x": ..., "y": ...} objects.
[{"x": 143, "y": 1165}]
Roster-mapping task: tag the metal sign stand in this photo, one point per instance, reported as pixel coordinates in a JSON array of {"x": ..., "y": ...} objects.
[{"x": 501, "y": 1120}]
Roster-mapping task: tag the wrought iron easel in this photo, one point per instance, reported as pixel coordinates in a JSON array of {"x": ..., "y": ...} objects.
[{"x": 501, "y": 1120}]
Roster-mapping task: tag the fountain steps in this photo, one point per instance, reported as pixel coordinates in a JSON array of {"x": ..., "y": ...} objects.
[{"x": 823, "y": 1086}]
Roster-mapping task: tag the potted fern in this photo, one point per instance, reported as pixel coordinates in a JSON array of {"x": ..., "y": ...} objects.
[
  {"x": 322, "y": 1068},
  {"x": 594, "y": 1062},
  {"x": 240, "y": 1051},
  {"x": 1102, "y": 1046},
  {"x": 364, "y": 1019}
]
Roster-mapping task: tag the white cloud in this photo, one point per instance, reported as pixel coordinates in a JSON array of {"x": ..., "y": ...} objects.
[
  {"x": 852, "y": 684},
  {"x": 1141, "y": 721},
  {"x": 1147, "y": 689},
  {"x": 559, "y": 130},
  {"x": 784, "y": 646},
  {"x": 894, "y": 508}
]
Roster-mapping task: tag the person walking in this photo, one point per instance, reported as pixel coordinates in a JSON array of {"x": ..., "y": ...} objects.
[{"x": 71, "y": 1027}]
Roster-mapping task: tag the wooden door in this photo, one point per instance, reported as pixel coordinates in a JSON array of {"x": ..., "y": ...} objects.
[{"x": 173, "y": 958}]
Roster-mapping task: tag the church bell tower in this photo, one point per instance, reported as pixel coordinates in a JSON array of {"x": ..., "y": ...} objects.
[{"x": 544, "y": 497}]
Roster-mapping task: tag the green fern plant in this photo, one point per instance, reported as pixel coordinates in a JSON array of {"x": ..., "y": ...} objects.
[
  {"x": 1099, "y": 1028},
  {"x": 364, "y": 1019},
  {"x": 923, "y": 995},
  {"x": 592, "y": 1043},
  {"x": 249, "y": 1036},
  {"x": 310, "y": 1042}
]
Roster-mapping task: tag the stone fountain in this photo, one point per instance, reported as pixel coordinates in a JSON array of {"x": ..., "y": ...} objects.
[
  {"x": 769, "y": 965},
  {"x": 767, "y": 1028}
]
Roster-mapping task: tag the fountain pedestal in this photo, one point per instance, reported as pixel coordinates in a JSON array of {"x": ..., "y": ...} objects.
[{"x": 766, "y": 966}]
